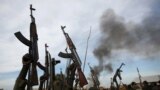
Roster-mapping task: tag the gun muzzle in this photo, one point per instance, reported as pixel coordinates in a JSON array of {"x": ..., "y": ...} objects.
[
  {"x": 55, "y": 62},
  {"x": 65, "y": 55},
  {"x": 82, "y": 78},
  {"x": 123, "y": 64}
]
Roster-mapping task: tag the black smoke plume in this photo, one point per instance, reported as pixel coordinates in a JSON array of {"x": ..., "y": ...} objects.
[{"x": 142, "y": 38}]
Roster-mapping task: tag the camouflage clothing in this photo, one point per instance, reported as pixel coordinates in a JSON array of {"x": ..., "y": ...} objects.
[{"x": 21, "y": 82}]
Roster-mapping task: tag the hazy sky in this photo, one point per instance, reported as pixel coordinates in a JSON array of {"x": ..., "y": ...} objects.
[{"x": 78, "y": 16}]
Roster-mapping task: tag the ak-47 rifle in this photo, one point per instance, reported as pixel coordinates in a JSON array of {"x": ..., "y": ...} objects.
[
  {"x": 94, "y": 77},
  {"x": 75, "y": 57},
  {"x": 118, "y": 74},
  {"x": 33, "y": 51},
  {"x": 140, "y": 80},
  {"x": 53, "y": 63},
  {"x": 45, "y": 76},
  {"x": 47, "y": 66}
]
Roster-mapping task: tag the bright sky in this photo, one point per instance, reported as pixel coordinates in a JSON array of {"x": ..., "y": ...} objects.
[{"x": 78, "y": 16}]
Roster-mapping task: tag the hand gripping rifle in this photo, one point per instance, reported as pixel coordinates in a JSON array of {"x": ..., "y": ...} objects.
[
  {"x": 33, "y": 51},
  {"x": 75, "y": 58},
  {"x": 118, "y": 74}
]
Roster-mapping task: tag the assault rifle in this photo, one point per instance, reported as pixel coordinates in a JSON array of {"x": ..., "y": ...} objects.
[
  {"x": 75, "y": 57},
  {"x": 33, "y": 51},
  {"x": 118, "y": 74},
  {"x": 53, "y": 63},
  {"x": 45, "y": 76},
  {"x": 140, "y": 80},
  {"x": 94, "y": 77}
]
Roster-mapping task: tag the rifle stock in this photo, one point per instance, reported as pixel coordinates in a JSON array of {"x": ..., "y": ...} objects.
[{"x": 82, "y": 78}]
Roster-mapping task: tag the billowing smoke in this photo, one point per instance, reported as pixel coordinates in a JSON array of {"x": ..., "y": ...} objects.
[{"x": 142, "y": 39}]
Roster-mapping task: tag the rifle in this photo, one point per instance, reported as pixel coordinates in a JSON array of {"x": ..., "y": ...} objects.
[
  {"x": 52, "y": 70},
  {"x": 119, "y": 70},
  {"x": 75, "y": 58},
  {"x": 121, "y": 65},
  {"x": 118, "y": 73},
  {"x": 50, "y": 73},
  {"x": 94, "y": 77},
  {"x": 47, "y": 66},
  {"x": 33, "y": 51},
  {"x": 70, "y": 68},
  {"x": 140, "y": 80},
  {"x": 45, "y": 76}
]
